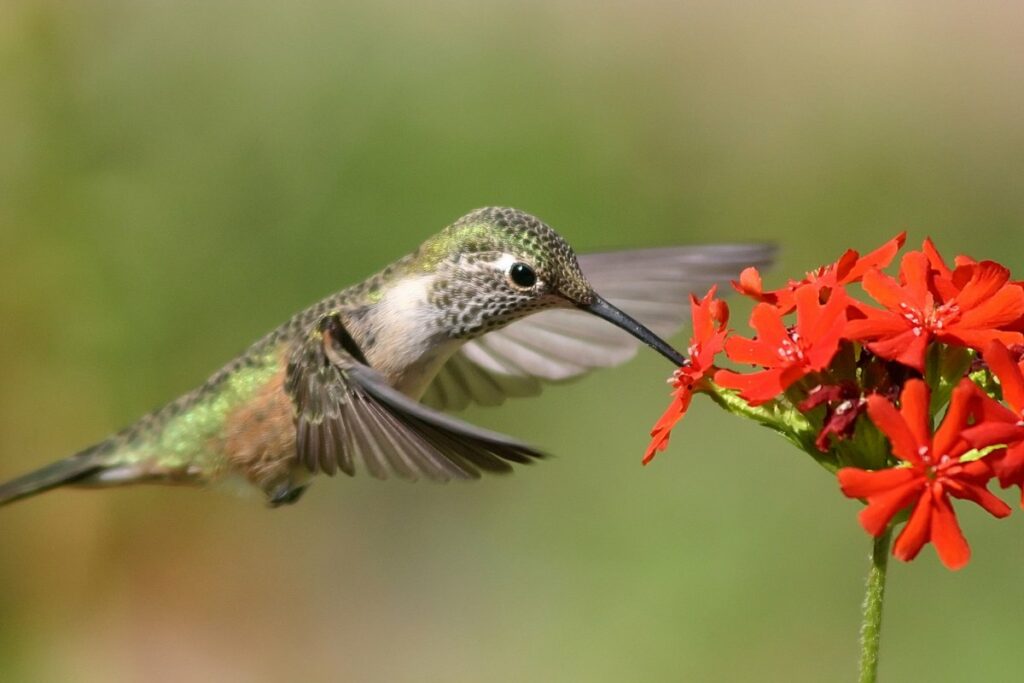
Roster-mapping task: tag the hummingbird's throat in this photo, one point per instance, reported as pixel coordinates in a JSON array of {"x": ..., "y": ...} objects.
[{"x": 403, "y": 337}]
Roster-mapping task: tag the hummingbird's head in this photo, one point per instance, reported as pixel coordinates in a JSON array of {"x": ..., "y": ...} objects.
[{"x": 496, "y": 265}]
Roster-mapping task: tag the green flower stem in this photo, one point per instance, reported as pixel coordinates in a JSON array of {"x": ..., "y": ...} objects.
[
  {"x": 871, "y": 626},
  {"x": 779, "y": 416}
]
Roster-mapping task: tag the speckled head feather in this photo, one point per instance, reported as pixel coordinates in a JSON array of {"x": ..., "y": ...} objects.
[{"x": 471, "y": 260}]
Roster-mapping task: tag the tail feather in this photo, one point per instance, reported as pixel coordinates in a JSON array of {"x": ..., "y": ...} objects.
[{"x": 60, "y": 473}]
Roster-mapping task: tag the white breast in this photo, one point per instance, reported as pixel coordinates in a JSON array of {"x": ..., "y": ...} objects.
[{"x": 409, "y": 347}]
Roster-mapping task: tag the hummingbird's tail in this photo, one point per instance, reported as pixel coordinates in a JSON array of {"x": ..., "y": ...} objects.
[{"x": 61, "y": 473}]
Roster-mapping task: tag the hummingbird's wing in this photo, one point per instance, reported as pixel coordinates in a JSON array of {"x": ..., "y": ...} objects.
[
  {"x": 652, "y": 285},
  {"x": 345, "y": 412}
]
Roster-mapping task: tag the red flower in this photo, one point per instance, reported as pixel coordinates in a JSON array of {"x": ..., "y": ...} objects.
[
  {"x": 944, "y": 276},
  {"x": 787, "y": 355},
  {"x": 850, "y": 268},
  {"x": 710, "y": 316},
  {"x": 1001, "y": 424},
  {"x": 932, "y": 473},
  {"x": 972, "y": 306}
]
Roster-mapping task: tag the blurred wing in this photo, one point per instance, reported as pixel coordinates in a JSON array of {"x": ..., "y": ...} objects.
[
  {"x": 345, "y": 412},
  {"x": 652, "y": 285}
]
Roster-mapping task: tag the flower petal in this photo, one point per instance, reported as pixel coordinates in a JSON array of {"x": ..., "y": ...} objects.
[
  {"x": 875, "y": 324},
  {"x": 663, "y": 427},
  {"x": 821, "y": 326},
  {"x": 915, "y": 274},
  {"x": 883, "y": 289},
  {"x": 915, "y": 534},
  {"x": 857, "y": 483},
  {"x": 808, "y": 310},
  {"x": 951, "y": 430},
  {"x": 1010, "y": 467},
  {"x": 766, "y": 319},
  {"x": 709, "y": 316},
  {"x": 995, "y": 311},
  {"x": 908, "y": 348},
  {"x": 752, "y": 352},
  {"x": 992, "y": 433},
  {"x": 879, "y": 258},
  {"x": 959, "y": 335},
  {"x": 986, "y": 279},
  {"x": 755, "y": 388},
  {"x": 750, "y": 284},
  {"x": 884, "y": 506},
  {"x": 891, "y": 423},
  {"x": 915, "y": 409},
  {"x": 1006, "y": 369},
  {"x": 980, "y": 495},
  {"x": 935, "y": 259},
  {"x": 949, "y": 540}
]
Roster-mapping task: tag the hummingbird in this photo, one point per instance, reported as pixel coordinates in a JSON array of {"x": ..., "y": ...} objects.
[{"x": 493, "y": 306}]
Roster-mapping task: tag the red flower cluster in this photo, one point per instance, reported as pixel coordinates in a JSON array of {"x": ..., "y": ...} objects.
[{"x": 941, "y": 341}]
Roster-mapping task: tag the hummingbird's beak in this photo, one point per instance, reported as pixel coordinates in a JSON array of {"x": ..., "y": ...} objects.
[{"x": 602, "y": 309}]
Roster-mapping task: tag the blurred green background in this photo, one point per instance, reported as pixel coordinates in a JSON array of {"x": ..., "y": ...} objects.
[{"x": 176, "y": 178}]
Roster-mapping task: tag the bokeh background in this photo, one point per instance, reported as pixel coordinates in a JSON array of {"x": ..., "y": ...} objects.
[{"x": 178, "y": 177}]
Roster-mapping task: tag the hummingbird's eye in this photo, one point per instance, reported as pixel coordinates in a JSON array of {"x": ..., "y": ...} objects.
[{"x": 522, "y": 275}]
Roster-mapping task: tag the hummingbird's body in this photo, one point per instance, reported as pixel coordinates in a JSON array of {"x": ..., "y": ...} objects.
[
  {"x": 340, "y": 382},
  {"x": 241, "y": 420}
]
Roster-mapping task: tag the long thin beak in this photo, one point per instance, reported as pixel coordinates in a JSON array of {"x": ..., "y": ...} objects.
[{"x": 603, "y": 309}]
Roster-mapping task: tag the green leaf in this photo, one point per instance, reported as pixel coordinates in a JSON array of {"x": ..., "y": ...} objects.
[
  {"x": 979, "y": 453},
  {"x": 988, "y": 383},
  {"x": 868, "y": 449}
]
